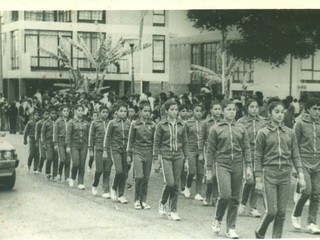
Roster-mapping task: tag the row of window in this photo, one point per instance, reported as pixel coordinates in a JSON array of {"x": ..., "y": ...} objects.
[
  {"x": 49, "y": 40},
  {"x": 159, "y": 16}
]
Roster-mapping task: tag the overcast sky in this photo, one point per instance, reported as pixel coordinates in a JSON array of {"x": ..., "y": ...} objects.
[{"x": 178, "y": 24}]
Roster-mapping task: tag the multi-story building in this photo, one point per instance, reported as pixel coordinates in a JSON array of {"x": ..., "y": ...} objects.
[
  {"x": 26, "y": 68},
  {"x": 292, "y": 78}
]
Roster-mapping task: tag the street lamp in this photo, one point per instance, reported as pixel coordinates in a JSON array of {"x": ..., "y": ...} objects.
[{"x": 132, "y": 42}]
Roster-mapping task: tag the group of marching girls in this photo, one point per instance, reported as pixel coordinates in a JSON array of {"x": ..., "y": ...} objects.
[{"x": 239, "y": 161}]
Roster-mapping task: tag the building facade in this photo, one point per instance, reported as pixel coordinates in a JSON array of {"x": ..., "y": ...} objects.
[
  {"x": 293, "y": 78},
  {"x": 26, "y": 68}
]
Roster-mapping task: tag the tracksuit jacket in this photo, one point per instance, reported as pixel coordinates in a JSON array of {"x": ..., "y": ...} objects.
[
  {"x": 47, "y": 132},
  {"x": 194, "y": 128},
  {"x": 204, "y": 133},
  {"x": 228, "y": 142},
  {"x": 60, "y": 131},
  {"x": 169, "y": 139},
  {"x": 38, "y": 130},
  {"x": 141, "y": 136},
  {"x": 77, "y": 133},
  {"x": 118, "y": 130},
  {"x": 97, "y": 132},
  {"x": 29, "y": 130},
  {"x": 276, "y": 146}
]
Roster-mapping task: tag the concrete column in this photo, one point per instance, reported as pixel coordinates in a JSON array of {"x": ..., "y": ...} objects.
[
  {"x": 22, "y": 87},
  {"x": 121, "y": 88},
  {"x": 11, "y": 89}
]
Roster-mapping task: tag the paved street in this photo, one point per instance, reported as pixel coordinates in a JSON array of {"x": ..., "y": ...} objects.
[{"x": 40, "y": 209}]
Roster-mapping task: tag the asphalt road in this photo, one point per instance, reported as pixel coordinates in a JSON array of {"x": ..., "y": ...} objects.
[{"x": 41, "y": 209}]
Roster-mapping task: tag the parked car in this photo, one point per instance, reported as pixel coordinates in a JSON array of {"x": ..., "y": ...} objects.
[{"x": 8, "y": 163}]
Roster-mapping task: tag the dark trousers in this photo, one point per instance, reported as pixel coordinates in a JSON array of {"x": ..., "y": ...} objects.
[
  {"x": 196, "y": 168},
  {"x": 212, "y": 189},
  {"x": 172, "y": 165},
  {"x": 276, "y": 184},
  {"x": 103, "y": 167},
  {"x": 229, "y": 185},
  {"x": 142, "y": 162},
  {"x": 119, "y": 159},
  {"x": 52, "y": 159},
  {"x": 250, "y": 194},
  {"x": 33, "y": 154},
  {"x": 78, "y": 158},
  {"x": 312, "y": 191},
  {"x": 64, "y": 160}
]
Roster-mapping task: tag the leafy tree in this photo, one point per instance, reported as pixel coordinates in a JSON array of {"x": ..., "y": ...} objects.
[{"x": 267, "y": 35}]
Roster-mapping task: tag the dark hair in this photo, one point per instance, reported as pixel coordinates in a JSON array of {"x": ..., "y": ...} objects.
[
  {"x": 311, "y": 102},
  {"x": 197, "y": 105},
  {"x": 63, "y": 107},
  {"x": 248, "y": 102},
  {"x": 183, "y": 106},
  {"x": 273, "y": 102},
  {"x": 78, "y": 106},
  {"x": 226, "y": 103},
  {"x": 143, "y": 104},
  {"x": 121, "y": 104},
  {"x": 215, "y": 102},
  {"x": 103, "y": 107},
  {"x": 169, "y": 103}
]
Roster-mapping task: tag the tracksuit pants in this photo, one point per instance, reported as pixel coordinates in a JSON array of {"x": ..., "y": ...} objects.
[
  {"x": 78, "y": 158},
  {"x": 103, "y": 167},
  {"x": 119, "y": 159},
  {"x": 276, "y": 182},
  {"x": 229, "y": 179},
  {"x": 142, "y": 163},
  {"x": 33, "y": 154},
  {"x": 196, "y": 168},
  {"x": 64, "y": 160},
  {"x": 172, "y": 164},
  {"x": 312, "y": 191},
  {"x": 52, "y": 159}
]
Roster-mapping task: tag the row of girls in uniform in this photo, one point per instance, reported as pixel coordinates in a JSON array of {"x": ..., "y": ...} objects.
[{"x": 263, "y": 150}]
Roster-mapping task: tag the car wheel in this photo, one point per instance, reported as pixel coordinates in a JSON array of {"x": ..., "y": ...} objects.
[{"x": 10, "y": 181}]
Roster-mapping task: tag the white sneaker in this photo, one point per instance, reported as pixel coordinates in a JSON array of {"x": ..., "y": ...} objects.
[
  {"x": 162, "y": 210},
  {"x": 71, "y": 182},
  {"x": 122, "y": 200},
  {"x": 308, "y": 202},
  {"x": 313, "y": 229},
  {"x": 106, "y": 195},
  {"x": 137, "y": 205},
  {"x": 187, "y": 192},
  {"x": 241, "y": 209},
  {"x": 57, "y": 178},
  {"x": 94, "y": 190},
  {"x": 67, "y": 180},
  {"x": 231, "y": 233},
  {"x": 254, "y": 213},
  {"x": 216, "y": 226},
  {"x": 145, "y": 206},
  {"x": 296, "y": 222},
  {"x": 174, "y": 216},
  {"x": 198, "y": 197},
  {"x": 205, "y": 203},
  {"x": 81, "y": 187},
  {"x": 114, "y": 195}
]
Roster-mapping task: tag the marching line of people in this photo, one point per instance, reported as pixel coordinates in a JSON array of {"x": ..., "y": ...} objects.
[{"x": 240, "y": 161}]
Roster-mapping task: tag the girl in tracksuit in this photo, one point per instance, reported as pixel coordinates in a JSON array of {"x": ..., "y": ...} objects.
[
  {"x": 115, "y": 143},
  {"x": 97, "y": 132},
  {"x": 195, "y": 165},
  {"x": 228, "y": 150},
  {"x": 77, "y": 145},
  {"x": 59, "y": 141},
  {"x": 140, "y": 147},
  {"x": 307, "y": 131},
  {"x": 171, "y": 143},
  {"x": 29, "y": 131},
  {"x": 213, "y": 119},
  {"x": 42, "y": 151},
  {"x": 47, "y": 143},
  {"x": 276, "y": 151},
  {"x": 253, "y": 123}
]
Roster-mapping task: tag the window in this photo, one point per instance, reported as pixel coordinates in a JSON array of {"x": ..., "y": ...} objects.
[
  {"x": 92, "y": 16},
  {"x": 14, "y": 50},
  {"x": 14, "y": 16},
  {"x": 310, "y": 69},
  {"x": 49, "y": 40},
  {"x": 48, "y": 16},
  {"x": 243, "y": 73},
  {"x": 210, "y": 56},
  {"x": 159, "y": 18},
  {"x": 158, "y": 53}
]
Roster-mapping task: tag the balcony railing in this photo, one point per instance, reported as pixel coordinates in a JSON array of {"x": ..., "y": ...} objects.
[{"x": 39, "y": 63}]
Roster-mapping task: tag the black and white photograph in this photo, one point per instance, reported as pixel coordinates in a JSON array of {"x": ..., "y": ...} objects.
[{"x": 159, "y": 120}]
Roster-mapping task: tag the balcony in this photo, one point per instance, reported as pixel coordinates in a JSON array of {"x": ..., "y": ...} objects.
[{"x": 40, "y": 63}]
